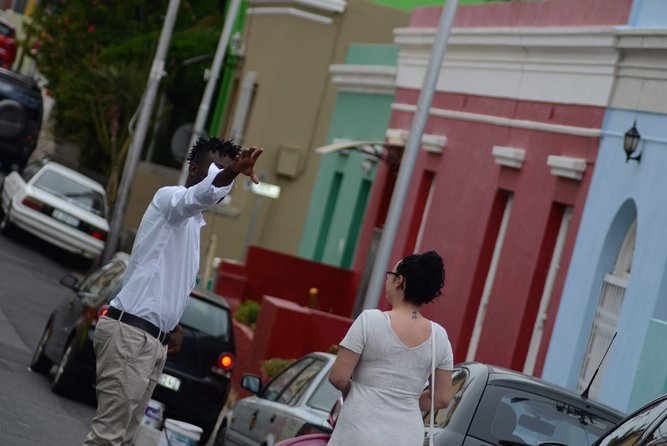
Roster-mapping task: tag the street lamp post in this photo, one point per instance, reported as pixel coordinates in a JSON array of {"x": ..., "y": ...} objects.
[
  {"x": 410, "y": 156},
  {"x": 145, "y": 109}
]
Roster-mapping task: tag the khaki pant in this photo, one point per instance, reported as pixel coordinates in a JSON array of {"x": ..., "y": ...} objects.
[{"x": 129, "y": 364}]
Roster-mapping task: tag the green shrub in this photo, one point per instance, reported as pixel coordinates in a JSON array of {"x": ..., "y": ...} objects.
[
  {"x": 271, "y": 367},
  {"x": 247, "y": 313}
]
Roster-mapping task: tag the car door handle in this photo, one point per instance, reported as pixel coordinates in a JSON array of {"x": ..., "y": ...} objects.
[{"x": 273, "y": 418}]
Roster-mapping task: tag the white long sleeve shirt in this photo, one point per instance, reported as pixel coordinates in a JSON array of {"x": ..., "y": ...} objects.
[{"x": 164, "y": 262}]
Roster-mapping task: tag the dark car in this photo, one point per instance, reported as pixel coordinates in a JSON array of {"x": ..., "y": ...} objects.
[
  {"x": 496, "y": 406},
  {"x": 646, "y": 426},
  {"x": 195, "y": 381},
  {"x": 20, "y": 118}
]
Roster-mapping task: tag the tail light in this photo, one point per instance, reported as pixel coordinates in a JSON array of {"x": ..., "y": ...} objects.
[
  {"x": 99, "y": 235},
  {"x": 33, "y": 204},
  {"x": 94, "y": 314},
  {"x": 226, "y": 361},
  {"x": 93, "y": 231},
  {"x": 224, "y": 365}
]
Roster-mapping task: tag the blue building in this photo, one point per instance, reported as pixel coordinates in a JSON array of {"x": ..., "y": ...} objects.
[{"x": 617, "y": 278}]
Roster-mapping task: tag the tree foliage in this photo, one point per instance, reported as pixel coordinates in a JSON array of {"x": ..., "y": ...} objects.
[{"x": 96, "y": 56}]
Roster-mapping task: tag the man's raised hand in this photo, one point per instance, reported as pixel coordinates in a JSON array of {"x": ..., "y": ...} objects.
[{"x": 245, "y": 162}]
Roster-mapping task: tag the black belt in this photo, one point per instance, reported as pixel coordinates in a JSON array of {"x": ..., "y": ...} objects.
[{"x": 138, "y": 322}]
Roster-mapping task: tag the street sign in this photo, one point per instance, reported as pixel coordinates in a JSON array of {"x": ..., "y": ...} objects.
[{"x": 266, "y": 190}]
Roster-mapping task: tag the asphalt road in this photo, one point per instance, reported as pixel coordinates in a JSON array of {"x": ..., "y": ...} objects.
[{"x": 30, "y": 414}]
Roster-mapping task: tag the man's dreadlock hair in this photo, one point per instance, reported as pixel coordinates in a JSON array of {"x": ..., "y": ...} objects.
[{"x": 225, "y": 147}]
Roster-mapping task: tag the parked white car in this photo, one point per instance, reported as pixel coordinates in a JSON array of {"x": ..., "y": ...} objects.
[
  {"x": 57, "y": 204},
  {"x": 296, "y": 402}
]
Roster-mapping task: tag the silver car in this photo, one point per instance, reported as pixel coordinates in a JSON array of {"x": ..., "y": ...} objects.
[{"x": 295, "y": 402}]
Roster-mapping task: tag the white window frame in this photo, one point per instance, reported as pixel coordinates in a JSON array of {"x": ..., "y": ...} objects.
[{"x": 610, "y": 303}]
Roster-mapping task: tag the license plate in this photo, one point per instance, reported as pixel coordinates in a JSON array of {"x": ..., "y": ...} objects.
[
  {"x": 65, "y": 218},
  {"x": 170, "y": 382}
]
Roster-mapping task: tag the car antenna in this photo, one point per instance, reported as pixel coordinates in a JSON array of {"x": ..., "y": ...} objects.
[{"x": 584, "y": 394}]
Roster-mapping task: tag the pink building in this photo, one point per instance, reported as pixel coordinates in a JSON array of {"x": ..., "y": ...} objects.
[{"x": 507, "y": 158}]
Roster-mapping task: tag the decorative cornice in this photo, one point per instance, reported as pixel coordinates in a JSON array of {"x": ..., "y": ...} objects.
[
  {"x": 294, "y": 12},
  {"x": 433, "y": 143},
  {"x": 396, "y": 137},
  {"x": 641, "y": 79},
  {"x": 374, "y": 79},
  {"x": 430, "y": 143},
  {"x": 603, "y": 36},
  {"x": 509, "y": 156},
  {"x": 567, "y": 167},
  {"x": 578, "y": 64},
  {"x": 606, "y": 66},
  {"x": 337, "y": 6},
  {"x": 508, "y": 122}
]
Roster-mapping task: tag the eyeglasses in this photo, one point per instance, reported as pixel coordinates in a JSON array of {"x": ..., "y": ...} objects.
[{"x": 391, "y": 273}]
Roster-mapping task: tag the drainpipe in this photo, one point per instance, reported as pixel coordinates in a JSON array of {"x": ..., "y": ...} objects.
[
  {"x": 235, "y": 53},
  {"x": 213, "y": 75}
]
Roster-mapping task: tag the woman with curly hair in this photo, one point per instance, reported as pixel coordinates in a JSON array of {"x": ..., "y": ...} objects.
[{"x": 386, "y": 357}]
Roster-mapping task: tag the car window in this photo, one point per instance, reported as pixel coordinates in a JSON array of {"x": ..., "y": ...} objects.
[
  {"x": 300, "y": 383},
  {"x": 6, "y": 30},
  {"x": 276, "y": 386},
  {"x": 98, "y": 287},
  {"x": 324, "y": 397},
  {"x": 628, "y": 432},
  {"x": 510, "y": 415},
  {"x": 102, "y": 280},
  {"x": 659, "y": 435},
  {"x": 460, "y": 383},
  {"x": 207, "y": 318},
  {"x": 71, "y": 191}
]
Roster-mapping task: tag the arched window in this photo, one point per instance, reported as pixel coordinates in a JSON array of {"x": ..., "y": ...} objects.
[{"x": 607, "y": 313}]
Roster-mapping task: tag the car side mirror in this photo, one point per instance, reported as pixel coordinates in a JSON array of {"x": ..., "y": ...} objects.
[
  {"x": 70, "y": 281},
  {"x": 251, "y": 383}
]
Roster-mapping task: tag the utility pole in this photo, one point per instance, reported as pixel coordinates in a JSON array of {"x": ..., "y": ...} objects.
[
  {"x": 145, "y": 109},
  {"x": 377, "y": 279},
  {"x": 213, "y": 75}
]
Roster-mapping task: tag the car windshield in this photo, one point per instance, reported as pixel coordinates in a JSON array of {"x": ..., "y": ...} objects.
[
  {"x": 72, "y": 191},
  {"x": 206, "y": 318},
  {"x": 510, "y": 417},
  {"x": 324, "y": 397}
]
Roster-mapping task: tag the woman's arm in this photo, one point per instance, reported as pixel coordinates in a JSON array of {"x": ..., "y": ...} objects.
[
  {"x": 443, "y": 391},
  {"x": 342, "y": 369}
]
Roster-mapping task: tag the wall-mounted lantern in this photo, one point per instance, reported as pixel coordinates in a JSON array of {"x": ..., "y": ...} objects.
[{"x": 631, "y": 142}]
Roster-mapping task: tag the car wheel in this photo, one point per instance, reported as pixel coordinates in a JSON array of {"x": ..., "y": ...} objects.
[
  {"x": 39, "y": 362},
  {"x": 64, "y": 379},
  {"x": 220, "y": 437},
  {"x": 5, "y": 224}
]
